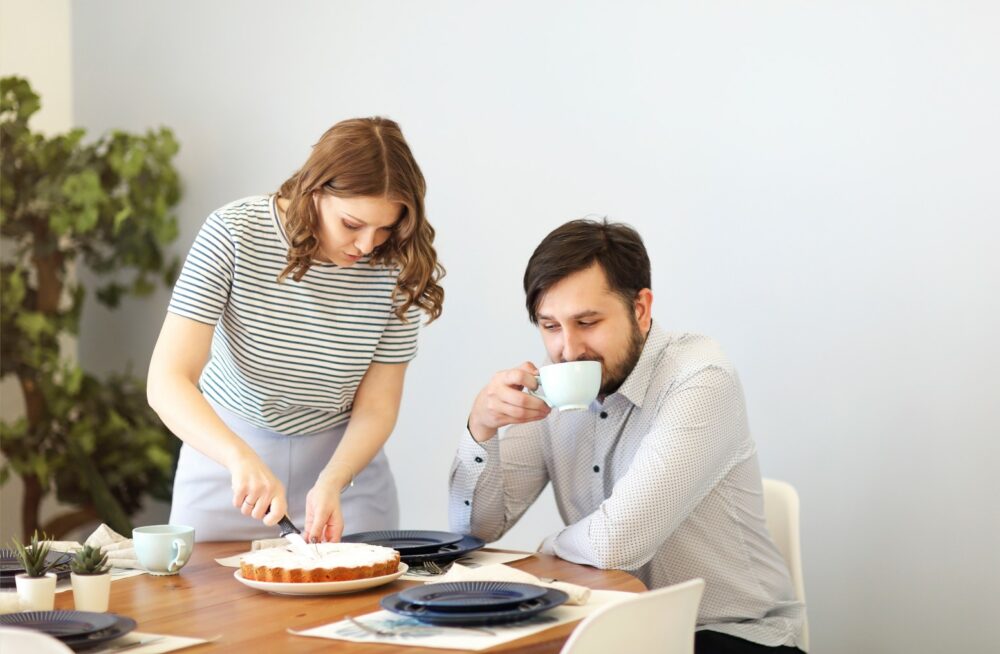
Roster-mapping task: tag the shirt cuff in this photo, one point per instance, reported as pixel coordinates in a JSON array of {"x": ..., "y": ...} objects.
[{"x": 471, "y": 461}]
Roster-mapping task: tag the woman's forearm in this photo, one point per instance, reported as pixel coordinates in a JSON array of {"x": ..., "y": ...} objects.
[
  {"x": 186, "y": 412},
  {"x": 364, "y": 437},
  {"x": 376, "y": 406}
]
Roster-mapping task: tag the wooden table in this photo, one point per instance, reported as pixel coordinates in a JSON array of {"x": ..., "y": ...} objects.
[{"x": 205, "y": 601}]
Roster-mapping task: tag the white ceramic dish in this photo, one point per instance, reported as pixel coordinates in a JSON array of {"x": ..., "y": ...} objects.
[{"x": 323, "y": 587}]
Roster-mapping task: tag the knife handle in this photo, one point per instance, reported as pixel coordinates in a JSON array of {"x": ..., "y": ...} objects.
[{"x": 286, "y": 527}]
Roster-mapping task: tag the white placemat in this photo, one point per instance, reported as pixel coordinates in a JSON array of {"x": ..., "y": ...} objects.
[
  {"x": 154, "y": 643},
  {"x": 399, "y": 630}
]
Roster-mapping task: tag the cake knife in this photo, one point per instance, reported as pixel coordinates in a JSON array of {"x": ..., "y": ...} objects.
[{"x": 294, "y": 537}]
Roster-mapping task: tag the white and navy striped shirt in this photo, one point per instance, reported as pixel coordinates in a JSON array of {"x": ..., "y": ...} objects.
[
  {"x": 287, "y": 356},
  {"x": 660, "y": 479}
]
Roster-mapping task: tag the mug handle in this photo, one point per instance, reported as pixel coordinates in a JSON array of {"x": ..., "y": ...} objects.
[
  {"x": 181, "y": 557},
  {"x": 539, "y": 393}
]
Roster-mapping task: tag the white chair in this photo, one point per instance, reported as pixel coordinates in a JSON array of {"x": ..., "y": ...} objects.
[
  {"x": 26, "y": 641},
  {"x": 781, "y": 511},
  {"x": 658, "y": 621}
]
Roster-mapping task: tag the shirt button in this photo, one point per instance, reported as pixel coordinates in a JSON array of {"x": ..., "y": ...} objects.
[
  {"x": 479, "y": 459},
  {"x": 604, "y": 414},
  {"x": 597, "y": 468},
  {"x": 466, "y": 502}
]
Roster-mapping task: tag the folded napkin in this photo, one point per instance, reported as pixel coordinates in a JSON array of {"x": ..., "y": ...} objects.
[
  {"x": 498, "y": 572},
  {"x": 120, "y": 551}
]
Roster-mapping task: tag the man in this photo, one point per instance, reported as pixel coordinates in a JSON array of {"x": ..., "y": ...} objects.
[{"x": 659, "y": 476}]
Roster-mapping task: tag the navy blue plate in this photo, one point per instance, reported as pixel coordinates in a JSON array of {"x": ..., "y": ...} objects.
[
  {"x": 446, "y": 552},
  {"x": 89, "y": 641},
  {"x": 406, "y": 542},
  {"x": 61, "y": 624},
  {"x": 472, "y": 595},
  {"x": 551, "y": 599}
]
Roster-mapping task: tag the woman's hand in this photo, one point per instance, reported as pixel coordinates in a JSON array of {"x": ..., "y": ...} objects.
[
  {"x": 324, "y": 521},
  {"x": 256, "y": 491}
]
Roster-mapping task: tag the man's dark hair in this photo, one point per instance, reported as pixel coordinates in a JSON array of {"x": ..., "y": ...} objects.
[{"x": 576, "y": 246}]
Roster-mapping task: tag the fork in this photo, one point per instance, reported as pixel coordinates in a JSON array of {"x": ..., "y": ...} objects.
[{"x": 435, "y": 569}]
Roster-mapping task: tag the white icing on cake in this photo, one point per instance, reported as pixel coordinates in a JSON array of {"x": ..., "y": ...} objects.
[{"x": 332, "y": 555}]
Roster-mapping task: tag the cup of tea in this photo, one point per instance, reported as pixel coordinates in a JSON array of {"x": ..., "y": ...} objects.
[
  {"x": 569, "y": 386},
  {"x": 163, "y": 549}
]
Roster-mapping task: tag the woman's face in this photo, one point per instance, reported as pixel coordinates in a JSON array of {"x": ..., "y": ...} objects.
[{"x": 350, "y": 228}]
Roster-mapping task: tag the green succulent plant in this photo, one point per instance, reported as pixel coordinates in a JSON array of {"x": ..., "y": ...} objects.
[
  {"x": 89, "y": 560},
  {"x": 34, "y": 557}
]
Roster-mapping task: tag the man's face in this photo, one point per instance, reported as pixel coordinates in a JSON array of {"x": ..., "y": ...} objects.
[{"x": 581, "y": 319}]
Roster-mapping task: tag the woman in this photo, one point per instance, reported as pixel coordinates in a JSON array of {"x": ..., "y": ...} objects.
[{"x": 281, "y": 360}]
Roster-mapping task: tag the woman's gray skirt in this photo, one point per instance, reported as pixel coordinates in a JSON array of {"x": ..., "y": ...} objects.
[{"x": 203, "y": 495}]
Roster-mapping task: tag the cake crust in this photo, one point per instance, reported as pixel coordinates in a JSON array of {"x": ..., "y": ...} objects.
[{"x": 337, "y": 562}]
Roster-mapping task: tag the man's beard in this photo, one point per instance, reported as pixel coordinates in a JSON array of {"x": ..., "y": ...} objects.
[{"x": 613, "y": 378}]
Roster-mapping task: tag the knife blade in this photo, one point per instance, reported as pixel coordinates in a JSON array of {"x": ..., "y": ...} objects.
[{"x": 294, "y": 537}]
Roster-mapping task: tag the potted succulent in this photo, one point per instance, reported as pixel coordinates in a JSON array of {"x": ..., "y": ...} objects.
[
  {"x": 91, "y": 578},
  {"x": 36, "y": 586}
]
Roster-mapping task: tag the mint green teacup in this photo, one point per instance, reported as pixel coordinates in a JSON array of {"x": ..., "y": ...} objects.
[
  {"x": 569, "y": 386},
  {"x": 163, "y": 549}
]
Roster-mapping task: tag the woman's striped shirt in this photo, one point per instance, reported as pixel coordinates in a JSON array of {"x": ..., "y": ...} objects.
[{"x": 286, "y": 356}]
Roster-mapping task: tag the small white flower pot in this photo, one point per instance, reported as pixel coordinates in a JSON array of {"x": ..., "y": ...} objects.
[
  {"x": 91, "y": 592},
  {"x": 36, "y": 593}
]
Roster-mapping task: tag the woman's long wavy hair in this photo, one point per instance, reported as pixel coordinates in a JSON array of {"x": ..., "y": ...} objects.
[{"x": 367, "y": 157}]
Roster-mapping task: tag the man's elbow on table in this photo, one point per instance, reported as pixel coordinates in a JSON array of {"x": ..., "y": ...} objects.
[{"x": 620, "y": 549}]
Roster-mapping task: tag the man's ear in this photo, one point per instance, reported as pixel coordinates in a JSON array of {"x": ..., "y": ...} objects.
[{"x": 643, "y": 307}]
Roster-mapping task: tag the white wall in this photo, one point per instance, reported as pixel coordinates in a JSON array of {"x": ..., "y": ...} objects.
[
  {"x": 35, "y": 44},
  {"x": 816, "y": 183}
]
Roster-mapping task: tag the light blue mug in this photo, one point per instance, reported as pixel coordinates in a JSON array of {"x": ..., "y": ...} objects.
[
  {"x": 569, "y": 386},
  {"x": 163, "y": 549}
]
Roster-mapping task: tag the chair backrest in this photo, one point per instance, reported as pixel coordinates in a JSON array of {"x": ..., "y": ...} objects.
[
  {"x": 658, "y": 621},
  {"x": 781, "y": 510},
  {"x": 14, "y": 640}
]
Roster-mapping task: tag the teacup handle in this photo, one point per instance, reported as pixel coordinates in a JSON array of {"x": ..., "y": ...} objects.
[
  {"x": 181, "y": 557},
  {"x": 539, "y": 393}
]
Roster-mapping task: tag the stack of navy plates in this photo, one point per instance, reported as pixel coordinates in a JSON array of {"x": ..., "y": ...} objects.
[
  {"x": 79, "y": 630},
  {"x": 473, "y": 602},
  {"x": 416, "y": 547},
  {"x": 10, "y": 566}
]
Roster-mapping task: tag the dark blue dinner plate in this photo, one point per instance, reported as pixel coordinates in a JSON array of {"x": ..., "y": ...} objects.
[
  {"x": 521, "y": 611},
  {"x": 61, "y": 624},
  {"x": 472, "y": 595},
  {"x": 122, "y": 626},
  {"x": 406, "y": 541},
  {"x": 445, "y": 552}
]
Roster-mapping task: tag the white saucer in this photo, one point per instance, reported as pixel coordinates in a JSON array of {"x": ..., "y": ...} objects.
[{"x": 321, "y": 587}]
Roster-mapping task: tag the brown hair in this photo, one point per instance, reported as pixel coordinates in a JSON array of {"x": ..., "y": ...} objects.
[
  {"x": 579, "y": 244},
  {"x": 367, "y": 157}
]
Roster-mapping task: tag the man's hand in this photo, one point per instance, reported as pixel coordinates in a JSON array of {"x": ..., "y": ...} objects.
[{"x": 503, "y": 402}]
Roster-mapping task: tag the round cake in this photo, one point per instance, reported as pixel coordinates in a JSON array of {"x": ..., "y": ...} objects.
[{"x": 336, "y": 562}]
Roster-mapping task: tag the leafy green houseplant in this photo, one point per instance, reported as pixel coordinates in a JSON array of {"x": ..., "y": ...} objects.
[
  {"x": 66, "y": 203},
  {"x": 91, "y": 579}
]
